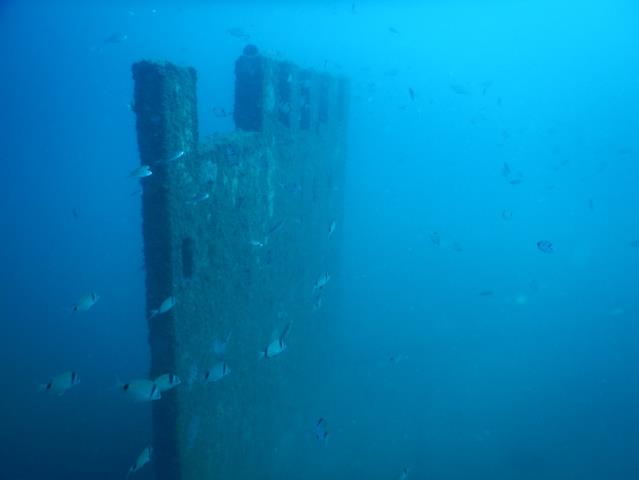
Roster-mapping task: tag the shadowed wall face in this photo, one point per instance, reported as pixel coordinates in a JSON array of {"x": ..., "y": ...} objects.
[{"x": 238, "y": 230}]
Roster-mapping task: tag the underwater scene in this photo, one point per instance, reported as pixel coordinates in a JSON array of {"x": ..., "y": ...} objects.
[{"x": 319, "y": 239}]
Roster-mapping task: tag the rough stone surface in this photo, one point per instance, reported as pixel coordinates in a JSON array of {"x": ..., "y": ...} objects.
[{"x": 242, "y": 261}]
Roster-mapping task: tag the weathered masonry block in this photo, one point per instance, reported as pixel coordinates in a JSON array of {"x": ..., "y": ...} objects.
[{"x": 237, "y": 230}]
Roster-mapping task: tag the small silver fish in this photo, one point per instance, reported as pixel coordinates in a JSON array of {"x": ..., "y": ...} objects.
[
  {"x": 277, "y": 346},
  {"x": 217, "y": 372},
  {"x": 86, "y": 302},
  {"x": 164, "y": 307},
  {"x": 199, "y": 198},
  {"x": 61, "y": 383},
  {"x": 331, "y": 228},
  {"x": 143, "y": 459},
  {"x": 177, "y": 156},
  {"x": 404, "y": 474},
  {"x": 141, "y": 172},
  {"x": 167, "y": 381},
  {"x": 256, "y": 243},
  {"x": 321, "y": 282},
  {"x": 141, "y": 390}
]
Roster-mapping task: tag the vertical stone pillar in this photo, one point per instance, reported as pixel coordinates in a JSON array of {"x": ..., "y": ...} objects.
[{"x": 165, "y": 104}]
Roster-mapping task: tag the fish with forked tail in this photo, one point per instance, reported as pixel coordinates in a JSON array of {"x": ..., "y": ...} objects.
[
  {"x": 143, "y": 459},
  {"x": 277, "y": 346},
  {"x": 61, "y": 383}
]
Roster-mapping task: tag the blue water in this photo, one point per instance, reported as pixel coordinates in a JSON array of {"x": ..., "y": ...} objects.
[{"x": 507, "y": 362}]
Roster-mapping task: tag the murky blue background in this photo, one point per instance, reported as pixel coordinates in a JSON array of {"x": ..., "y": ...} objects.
[{"x": 537, "y": 380}]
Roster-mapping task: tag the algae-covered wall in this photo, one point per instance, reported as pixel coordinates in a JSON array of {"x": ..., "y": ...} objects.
[{"x": 238, "y": 230}]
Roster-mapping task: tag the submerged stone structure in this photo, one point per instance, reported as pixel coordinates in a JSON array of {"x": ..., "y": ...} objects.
[{"x": 239, "y": 229}]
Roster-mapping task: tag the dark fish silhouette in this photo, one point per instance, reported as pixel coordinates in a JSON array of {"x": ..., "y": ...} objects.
[
  {"x": 545, "y": 246},
  {"x": 411, "y": 92},
  {"x": 238, "y": 32},
  {"x": 321, "y": 430},
  {"x": 118, "y": 37}
]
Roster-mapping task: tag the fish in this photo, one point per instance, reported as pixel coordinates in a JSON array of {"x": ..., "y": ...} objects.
[
  {"x": 396, "y": 358},
  {"x": 177, "y": 156},
  {"x": 459, "y": 89},
  {"x": 486, "y": 293},
  {"x": 545, "y": 246},
  {"x": 143, "y": 459},
  {"x": 142, "y": 171},
  {"x": 321, "y": 430},
  {"x": 411, "y": 94},
  {"x": 217, "y": 372},
  {"x": 321, "y": 282},
  {"x": 506, "y": 214},
  {"x": 256, "y": 243},
  {"x": 219, "y": 346},
  {"x": 86, "y": 302},
  {"x": 274, "y": 229},
  {"x": 516, "y": 181},
  {"x": 456, "y": 246},
  {"x": 165, "y": 306},
  {"x": 485, "y": 86},
  {"x": 141, "y": 390},
  {"x": 277, "y": 346},
  {"x": 393, "y": 30},
  {"x": 221, "y": 112},
  {"x": 75, "y": 214},
  {"x": 591, "y": 204},
  {"x": 435, "y": 238},
  {"x": 404, "y": 474},
  {"x": 61, "y": 383},
  {"x": 505, "y": 170},
  {"x": 167, "y": 382},
  {"x": 238, "y": 32},
  {"x": 117, "y": 37},
  {"x": 331, "y": 228},
  {"x": 634, "y": 243},
  {"x": 198, "y": 198}
]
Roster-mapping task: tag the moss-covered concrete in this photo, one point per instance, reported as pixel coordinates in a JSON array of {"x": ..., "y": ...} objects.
[{"x": 237, "y": 229}]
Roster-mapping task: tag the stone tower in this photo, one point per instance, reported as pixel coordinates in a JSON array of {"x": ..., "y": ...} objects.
[{"x": 239, "y": 229}]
